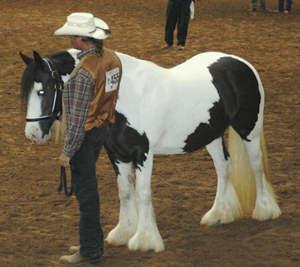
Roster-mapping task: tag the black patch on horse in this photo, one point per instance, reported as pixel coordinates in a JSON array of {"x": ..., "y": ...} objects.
[
  {"x": 237, "y": 86},
  {"x": 63, "y": 62},
  {"x": 125, "y": 144},
  {"x": 28, "y": 79},
  {"x": 239, "y": 103},
  {"x": 205, "y": 133}
]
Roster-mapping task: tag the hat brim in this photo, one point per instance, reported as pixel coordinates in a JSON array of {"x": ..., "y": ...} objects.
[{"x": 101, "y": 32}]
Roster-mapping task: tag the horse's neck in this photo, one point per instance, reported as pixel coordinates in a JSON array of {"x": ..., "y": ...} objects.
[
  {"x": 73, "y": 52},
  {"x": 65, "y": 61}
]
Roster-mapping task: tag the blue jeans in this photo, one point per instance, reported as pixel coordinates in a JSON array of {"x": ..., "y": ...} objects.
[
  {"x": 288, "y": 5},
  {"x": 177, "y": 13},
  {"x": 85, "y": 185}
]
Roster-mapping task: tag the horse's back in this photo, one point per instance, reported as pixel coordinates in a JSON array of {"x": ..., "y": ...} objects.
[
  {"x": 166, "y": 104},
  {"x": 238, "y": 85},
  {"x": 197, "y": 98}
]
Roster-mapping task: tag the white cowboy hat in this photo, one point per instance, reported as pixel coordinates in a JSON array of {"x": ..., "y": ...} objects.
[{"x": 84, "y": 24}]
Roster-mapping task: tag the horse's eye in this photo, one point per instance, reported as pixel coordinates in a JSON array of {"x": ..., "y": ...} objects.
[{"x": 41, "y": 92}]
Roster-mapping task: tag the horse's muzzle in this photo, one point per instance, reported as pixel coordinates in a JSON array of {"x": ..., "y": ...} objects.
[{"x": 35, "y": 134}]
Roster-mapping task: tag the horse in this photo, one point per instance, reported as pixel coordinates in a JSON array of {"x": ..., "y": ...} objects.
[{"x": 169, "y": 111}]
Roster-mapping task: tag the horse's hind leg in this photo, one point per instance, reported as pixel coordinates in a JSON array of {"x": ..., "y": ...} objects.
[
  {"x": 226, "y": 206},
  {"x": 265, "y": 205},
  {"x": 128, "y": 217}
]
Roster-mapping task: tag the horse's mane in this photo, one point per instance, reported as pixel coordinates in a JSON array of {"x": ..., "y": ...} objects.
[
  {"x": 28, "y": 80},
  {"x": 60, "y": 129}
]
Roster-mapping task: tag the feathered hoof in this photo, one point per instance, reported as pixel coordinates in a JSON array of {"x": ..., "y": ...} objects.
[
  {"x": 118, "y": 237},
  {"x": 266, "y": 212},
  {"x": 215, "y": 217},
  {"x": 145, "y": 243}
]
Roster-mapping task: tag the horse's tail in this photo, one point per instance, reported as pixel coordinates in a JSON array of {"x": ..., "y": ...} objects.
[{"x": 242, "y": 176}]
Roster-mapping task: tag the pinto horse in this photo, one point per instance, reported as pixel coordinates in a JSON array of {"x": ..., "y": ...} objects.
[{"x": 169, "y": 111}]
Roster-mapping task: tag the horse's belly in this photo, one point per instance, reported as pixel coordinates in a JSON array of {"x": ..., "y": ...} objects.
[
  {"x": 169, "y": 145},
  {"x": 170, "y": 119},
  {"x": 173, "y": 135}
]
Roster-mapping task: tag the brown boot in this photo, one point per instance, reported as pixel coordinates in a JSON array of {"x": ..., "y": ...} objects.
[
  {"x": 166, "y": 46},
  {"x": 74, "y": 249},
  {"x": 77, "y": 259}
]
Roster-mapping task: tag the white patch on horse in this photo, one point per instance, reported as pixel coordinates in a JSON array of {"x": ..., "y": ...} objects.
[
  {"x": 34, "y": 110},
  {"x": 65, "y": 78},
  {"x": 74, "y": 52}
]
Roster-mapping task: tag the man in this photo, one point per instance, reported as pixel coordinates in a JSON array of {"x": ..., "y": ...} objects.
[
  {"x": 89, "y": 97},
  {"x": 178, "y": 12}
]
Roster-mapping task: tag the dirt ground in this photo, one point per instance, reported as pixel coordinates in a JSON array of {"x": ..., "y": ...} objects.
[{"x": 38, "y": 224}]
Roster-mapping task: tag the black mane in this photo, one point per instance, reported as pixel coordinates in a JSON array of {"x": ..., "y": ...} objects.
[{"x": 28, "y": 79}]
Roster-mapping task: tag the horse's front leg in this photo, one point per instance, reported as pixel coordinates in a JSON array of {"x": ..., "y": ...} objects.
[
  {"x": 147, "y": 236},
  {"x": 128, "y": 217}
]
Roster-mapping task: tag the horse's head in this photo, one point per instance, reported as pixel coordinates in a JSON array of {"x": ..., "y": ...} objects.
[{"x": 41, "y": 87}]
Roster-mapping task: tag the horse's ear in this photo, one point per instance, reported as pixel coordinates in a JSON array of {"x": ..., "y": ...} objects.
[
  {"x": 25, "y": 58},
  {"x": 38, "y": 59}
]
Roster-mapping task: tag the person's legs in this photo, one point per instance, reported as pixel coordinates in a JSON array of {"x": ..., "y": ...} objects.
[
  {"x": 289, "y": 5},
  {"x": 183, "y": 22},
  {"x": 253, "y": 5},
  {"x": 263, "y": 4},
  {"x": 172, "y": 16},
  {"x": 85, "y": 185},
  {"x": 281, "y": 5}
]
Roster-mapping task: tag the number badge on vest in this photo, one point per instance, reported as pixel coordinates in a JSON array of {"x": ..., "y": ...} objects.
[{"x": 112, "y": 80}]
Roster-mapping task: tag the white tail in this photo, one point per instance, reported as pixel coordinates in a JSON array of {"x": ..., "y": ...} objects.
[{"x": 242, "y": 176}]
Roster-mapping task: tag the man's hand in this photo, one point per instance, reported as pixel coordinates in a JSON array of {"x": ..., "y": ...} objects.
[{"x": 64, "y": 161}]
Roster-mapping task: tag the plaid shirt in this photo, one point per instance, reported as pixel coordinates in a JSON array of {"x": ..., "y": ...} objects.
[{"x": 77, "y": 98}]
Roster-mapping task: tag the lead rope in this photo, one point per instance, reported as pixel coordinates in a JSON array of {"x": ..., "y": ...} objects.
[{"x": 63, "y": 182}]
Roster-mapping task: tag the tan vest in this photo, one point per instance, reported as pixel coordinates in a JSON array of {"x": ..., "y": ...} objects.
[{"x": 106, "y": 72}]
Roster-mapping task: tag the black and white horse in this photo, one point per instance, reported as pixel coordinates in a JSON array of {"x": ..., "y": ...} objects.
[{"x": 168, "y": 111}]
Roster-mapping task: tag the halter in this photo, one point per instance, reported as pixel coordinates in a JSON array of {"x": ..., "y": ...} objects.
[{"x": 59, "y": 87}]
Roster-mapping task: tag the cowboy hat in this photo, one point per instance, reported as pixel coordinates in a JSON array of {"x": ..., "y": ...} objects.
[{"x": 84, "y": 24}]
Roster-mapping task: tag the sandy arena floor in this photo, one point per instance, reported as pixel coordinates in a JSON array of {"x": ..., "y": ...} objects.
[{"x": 38, "y": 224}]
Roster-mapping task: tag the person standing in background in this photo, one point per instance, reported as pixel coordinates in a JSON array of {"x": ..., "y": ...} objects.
[
  {"x": 178, "y": 12},
  {"x": 281, "y": 6},
  {"x": 253, "y": 5}
]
